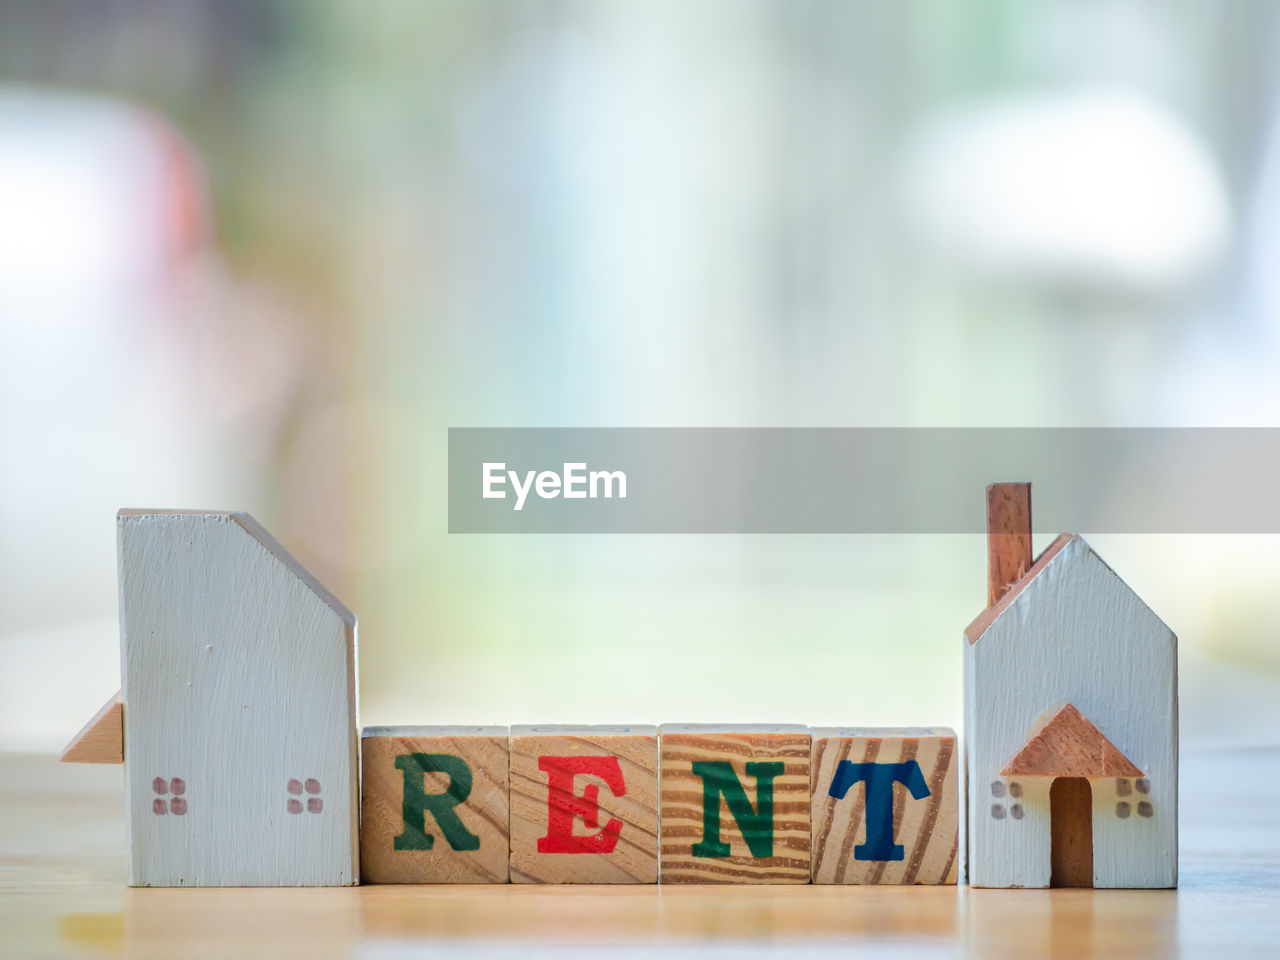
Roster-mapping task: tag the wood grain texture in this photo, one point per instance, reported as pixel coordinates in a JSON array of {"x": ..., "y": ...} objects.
[
  {"x": 1071, "y": 844},
  {"x": 239, "y": 687},
  {"x": 394, "y": 846},
  {"x": 1008, "y": 536},
  {"x": 684, "y": 795},
  {"x": 614, "y": 832},
  {"x": 1068, "y": 745},
  {"x": 1071, "y": 632},
  {"x": 101, "y": 740},
  {"x": 926, "y": 828}
]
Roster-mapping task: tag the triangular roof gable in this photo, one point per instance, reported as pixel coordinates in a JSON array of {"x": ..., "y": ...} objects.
[
  {"x": 1057, "y": 551},
  {"x": 273, "y": 546},
  {"x": 1068, "y": 745},
  {"x": 988, "y": 616}
]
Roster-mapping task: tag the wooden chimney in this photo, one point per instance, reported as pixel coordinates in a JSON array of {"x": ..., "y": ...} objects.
[{"x": 1008, "y": 536}]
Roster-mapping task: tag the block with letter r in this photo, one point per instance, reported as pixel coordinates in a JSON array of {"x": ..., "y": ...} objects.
[
  {"x": 886, "y": 806},
  {"x": 434, "y": 805},
  {"x": 735, "y": 804}
]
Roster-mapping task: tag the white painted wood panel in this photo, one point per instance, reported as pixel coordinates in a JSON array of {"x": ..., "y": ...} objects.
[{"x": 240, "y": 708}]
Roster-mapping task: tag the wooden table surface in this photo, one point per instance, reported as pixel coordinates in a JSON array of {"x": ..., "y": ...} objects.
[{"x": 63, "y": 893}]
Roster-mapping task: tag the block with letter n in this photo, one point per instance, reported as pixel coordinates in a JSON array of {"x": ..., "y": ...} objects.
[
  {"x": 584, "y": 804},
  {"x": 434, "y": 805},
  {"x": 735, "y": 803},
  {"x": 885, "y": 805}
]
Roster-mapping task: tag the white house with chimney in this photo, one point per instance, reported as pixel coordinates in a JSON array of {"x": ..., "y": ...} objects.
[{"x": 1071, "y": 723}]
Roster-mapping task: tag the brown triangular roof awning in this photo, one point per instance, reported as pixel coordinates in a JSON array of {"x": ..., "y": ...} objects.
[
  {"x": 1068, "y": 745},
  {"x": 102, "y": 738}
]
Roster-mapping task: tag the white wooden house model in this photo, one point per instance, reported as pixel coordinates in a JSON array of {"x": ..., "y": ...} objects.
[
  {"x": 1071, "y": 722},
  {"x": 239, "y": 709}
]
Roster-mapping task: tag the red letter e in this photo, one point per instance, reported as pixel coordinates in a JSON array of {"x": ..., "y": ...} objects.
[{"x": 563, "y": 805}]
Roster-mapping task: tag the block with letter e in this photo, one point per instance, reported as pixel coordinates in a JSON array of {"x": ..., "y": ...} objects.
[
  {"x": 434, "y": 805},
  {"x": 584, "y": 804},
  {"x": 885, "y": 805},
  {"x": 735, "y": 803}
]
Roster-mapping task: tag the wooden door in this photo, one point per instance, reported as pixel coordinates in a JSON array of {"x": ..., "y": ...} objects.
[{"x": 1071, "y": 825}]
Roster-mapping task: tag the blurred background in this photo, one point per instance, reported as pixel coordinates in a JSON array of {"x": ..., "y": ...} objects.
[{"x": 261, "y": 256}]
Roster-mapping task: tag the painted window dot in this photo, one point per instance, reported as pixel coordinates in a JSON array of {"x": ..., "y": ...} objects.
[
  {"x": 1015, "y": 789},
  {"x": 1145, "y": 809},
  {"x": 1123, "y": 787},
  {"x": 162, "y": 787},
  {"x": 1122, "y": 810},
  {"x": 997, "y": 811},
  {"x": 1016, "y": 811},
  {"x": 1143, "y": 785},
  {"x": 314, "y": 803},
  {"x": 997, "y": 788}
]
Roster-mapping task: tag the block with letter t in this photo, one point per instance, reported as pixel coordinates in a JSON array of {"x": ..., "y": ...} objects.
[
  {"x": 584, "y": 804},
  {"x": 735, "y": 804},
  {"x": 435, "y": 805},
  {"x": 885, "y": 805}
]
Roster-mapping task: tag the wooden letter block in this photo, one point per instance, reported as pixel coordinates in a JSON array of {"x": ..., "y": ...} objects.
[
  {"x": 435, "y": 805},
  {"x": 885, "y": 805},
  {"x": 735, "y": 804},
  {"x": 584, "y": 804}
]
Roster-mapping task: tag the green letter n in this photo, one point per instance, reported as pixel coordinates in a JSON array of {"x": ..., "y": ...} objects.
[
  {"x": 415, "y": 836},
  {"x": 756, "y": 825}
]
